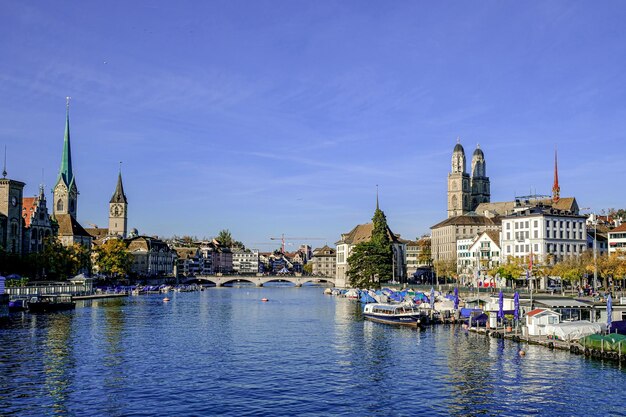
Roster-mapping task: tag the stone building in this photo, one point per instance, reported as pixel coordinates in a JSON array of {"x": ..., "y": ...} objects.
[
  {"x": 37, "y": 224},
  {"x": 151, "y": 257},
  {"x": 465, "y": 193},
  {"x": 11, "y": 225},
  {"x": 445, "y": 234},
  {"x": 118, "y": 210},
  {"x": 324, "y": 262}
]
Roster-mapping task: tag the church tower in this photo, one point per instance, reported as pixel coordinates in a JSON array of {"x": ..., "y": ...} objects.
[
  {"x": 480, "y": 182},
  {"x": 458, "y": 184},
  {"x": 65, "y": 192},
  {"x": 556, "y": 189},
  {"x": 118, "y": 210}
]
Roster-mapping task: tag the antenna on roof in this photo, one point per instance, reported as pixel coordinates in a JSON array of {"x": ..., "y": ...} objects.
[{"x": 4, "y": 170}]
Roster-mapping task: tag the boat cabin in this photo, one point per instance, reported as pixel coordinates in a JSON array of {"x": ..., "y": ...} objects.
[{"x": 538, "y": 319}]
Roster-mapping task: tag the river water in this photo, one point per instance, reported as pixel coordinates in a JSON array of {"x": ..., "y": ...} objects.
[{"x": 224, "y": 352}]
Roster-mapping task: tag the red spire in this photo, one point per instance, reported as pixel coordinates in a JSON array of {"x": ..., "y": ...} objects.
[{"x": 556, "y": 190}]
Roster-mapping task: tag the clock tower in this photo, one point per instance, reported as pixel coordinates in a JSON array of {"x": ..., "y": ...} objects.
[{"x": 118, "y": 210}]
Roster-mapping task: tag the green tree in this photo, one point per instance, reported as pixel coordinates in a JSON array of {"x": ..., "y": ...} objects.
[
  {"x": 446, "y": 268},
  {"x": 308, "y": 268},
  {"x": 371, "y": 262},
  {"x": 113, "y": 258},
  {"x": 225, "y": 238}
]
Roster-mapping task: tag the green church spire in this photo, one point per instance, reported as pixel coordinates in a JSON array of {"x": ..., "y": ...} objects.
[{"x": 66, "y": 161}]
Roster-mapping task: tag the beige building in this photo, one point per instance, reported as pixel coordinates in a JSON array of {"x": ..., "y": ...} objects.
[
  {"x": 11, "y": 228},
  {"x": 414, "y": 256},
  {"x": 151, "y": 257},
  {"x": 324, "y": 262},
  {"x": 37, "y": 224},
  {"x": 445, "y": 234},
  {"x": 363, "y": 233},
  {"x": 465, "y": 193}
]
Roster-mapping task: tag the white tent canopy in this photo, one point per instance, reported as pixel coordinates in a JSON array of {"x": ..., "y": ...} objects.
[{"x": 572, "y": 330}]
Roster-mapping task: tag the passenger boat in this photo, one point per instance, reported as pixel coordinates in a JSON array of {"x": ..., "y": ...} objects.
[
  {"x": 18, "y": 304},
  {"x": 399, "y": 314},
  {"x": 47, "y": 303}
]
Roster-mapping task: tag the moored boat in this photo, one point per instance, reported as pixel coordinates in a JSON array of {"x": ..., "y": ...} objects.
[
  {"x": 46, "y": 303},
  {"x": 18, "y": 304},
  {"x": 397, "y": 314}
]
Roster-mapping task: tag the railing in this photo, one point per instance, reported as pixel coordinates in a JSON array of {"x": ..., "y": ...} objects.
[{"x": 49, "y": 289}]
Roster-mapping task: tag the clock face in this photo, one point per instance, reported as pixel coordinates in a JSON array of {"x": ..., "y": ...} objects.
[{"x": 117, "y": 210}]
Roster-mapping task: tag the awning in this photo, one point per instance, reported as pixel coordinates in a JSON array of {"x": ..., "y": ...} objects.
[{"x": 563, "y": 303}]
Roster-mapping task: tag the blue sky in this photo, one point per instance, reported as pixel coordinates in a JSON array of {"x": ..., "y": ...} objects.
[{"x": 270, "y": 117}]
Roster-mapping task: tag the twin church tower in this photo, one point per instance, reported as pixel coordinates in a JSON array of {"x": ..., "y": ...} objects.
[
  {"x": 465, "y": 193},
  {"x": 65, "y": 192}
]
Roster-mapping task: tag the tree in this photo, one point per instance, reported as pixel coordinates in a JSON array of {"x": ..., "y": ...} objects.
[
  {"x": 371, "y": 262},
  {"x": 445, "y": 268},
  {"x": 225, "y": 238},
  {"x": 425, "y": 256},
  {"x": 510, "y": 270},
  {"x": 308, "y": 268},
  {"x": 113, "y": 258}
]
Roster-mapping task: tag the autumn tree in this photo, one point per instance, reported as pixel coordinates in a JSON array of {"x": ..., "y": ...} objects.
[{"x": 113, "y": 258}]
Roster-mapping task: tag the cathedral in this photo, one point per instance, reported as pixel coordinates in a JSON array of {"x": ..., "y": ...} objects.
[{"x": 466, "y": 192}]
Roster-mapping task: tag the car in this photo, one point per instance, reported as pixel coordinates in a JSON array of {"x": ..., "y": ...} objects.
[{"x": 555, "y": 288}]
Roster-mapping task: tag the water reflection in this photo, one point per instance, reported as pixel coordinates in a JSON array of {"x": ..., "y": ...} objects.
[
  {"x": 113, "y": 360},
  {"x": 58, "y": 361}
]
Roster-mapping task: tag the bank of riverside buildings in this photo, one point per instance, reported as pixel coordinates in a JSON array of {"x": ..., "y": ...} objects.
[{"x": 479, "y": 234}]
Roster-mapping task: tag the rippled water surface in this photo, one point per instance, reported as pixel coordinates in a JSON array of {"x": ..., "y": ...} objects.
[{"x": 224, "y": 352}]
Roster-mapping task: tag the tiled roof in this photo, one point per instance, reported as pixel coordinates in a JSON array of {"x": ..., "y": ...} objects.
[
  {"x": 68, "y": 226},
  {"x": 29, "y": 205},
  {"x": 506, "y": 207},
  {"x": 363, "y": 233},
  {"x": 535, "y": 312},
  {"x": 493, "y": 235},
  {"x": 97, "y": 232},
  {"x": 468, "y": 220},
  {"x": 621, "y": 228}
]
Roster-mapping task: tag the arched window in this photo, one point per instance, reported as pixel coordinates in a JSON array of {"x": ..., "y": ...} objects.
[
  {"x": 71, "y": 205},
  {"x": 60, "y": 205}
]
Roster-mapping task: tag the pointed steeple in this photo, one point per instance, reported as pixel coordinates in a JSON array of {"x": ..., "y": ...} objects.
[
  {"x": 4, "y": 169},
  {"x": 65, "y": 172},
  {"x": 377, "y": 197},
  {"x": 118, "y": 195},
  {"x": 556, "y": 190}
]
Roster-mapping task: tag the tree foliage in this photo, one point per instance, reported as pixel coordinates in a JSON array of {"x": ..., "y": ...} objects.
[
  {"x": 113, "y": 258},
  {"x": 425, "y": 256},
  {"x": 371, "y": 262}
]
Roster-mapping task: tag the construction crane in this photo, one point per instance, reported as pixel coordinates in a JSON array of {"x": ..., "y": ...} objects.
[{"x": 282, "y": 238}]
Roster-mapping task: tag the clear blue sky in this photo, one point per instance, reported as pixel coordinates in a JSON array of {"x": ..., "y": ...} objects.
[{"x": 269, "y": 117}]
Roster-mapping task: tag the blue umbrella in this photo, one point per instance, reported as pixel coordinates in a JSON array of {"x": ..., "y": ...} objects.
[
  {"x": 456, "y": 298},
  {"x": 501, "y": 305},
  {"x": 609, "y": 312},
  {"x": 432, "y": 297},
  {"x": 516, "y": 306}
]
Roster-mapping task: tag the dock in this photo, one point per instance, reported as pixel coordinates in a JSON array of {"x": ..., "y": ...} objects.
[
  {"x": 572, "y": 346},
  {"x": 98, "y": 296}
]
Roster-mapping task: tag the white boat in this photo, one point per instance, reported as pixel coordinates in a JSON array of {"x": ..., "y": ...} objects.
[{"x": 398, "y": 314}]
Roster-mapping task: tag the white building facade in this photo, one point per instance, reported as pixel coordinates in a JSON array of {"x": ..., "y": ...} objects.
[
  {"x": 549, "y": 235},
  {"x": 617, "y": 239}
]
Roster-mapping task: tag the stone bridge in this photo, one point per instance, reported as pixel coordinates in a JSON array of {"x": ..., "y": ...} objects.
[{"x": 219, "y": 281}]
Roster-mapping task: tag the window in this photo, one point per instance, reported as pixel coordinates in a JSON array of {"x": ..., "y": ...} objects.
[
  {"x": 527, "y": 234},
  {"x": 508, "y": 235},
  {"x": 508, "y": 226},
  {"x": 536, "y": 247},
  {"x": 60, "y": 205},
  {"x": 526, "y": 224},
  {"x": 536, "y": 234},
  {"x": 536, "y": 223}
]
